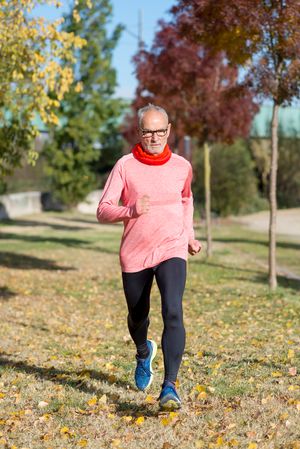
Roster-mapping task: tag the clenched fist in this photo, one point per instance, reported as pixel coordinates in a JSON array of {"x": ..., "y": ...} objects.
[
  {"x": 142, "y": 205},
  {"x": 194, "y": 247}
]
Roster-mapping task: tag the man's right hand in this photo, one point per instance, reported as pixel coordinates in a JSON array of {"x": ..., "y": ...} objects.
[{"x": 142, "y": 205}]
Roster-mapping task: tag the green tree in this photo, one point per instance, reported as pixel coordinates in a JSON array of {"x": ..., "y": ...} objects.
[
  {"x": 31, "y": 77},
  {"x": 88, "y": 111},
  {"x": 233, "y": 180}
]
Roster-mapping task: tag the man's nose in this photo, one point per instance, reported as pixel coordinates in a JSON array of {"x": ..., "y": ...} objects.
[{"x": 154, "y": 137}]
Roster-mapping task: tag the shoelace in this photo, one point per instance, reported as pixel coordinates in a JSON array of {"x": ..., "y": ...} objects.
[{"x": 141, "y": 368}]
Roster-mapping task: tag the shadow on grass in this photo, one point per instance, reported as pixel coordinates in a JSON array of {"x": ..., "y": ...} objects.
[
  {"x": 24, "y": 262},
  {"x": 259, "y": 277},
  {"x": 74, "y": 379},
  {"x": 79, "y": 381},
  {"x": 283, "y": 281},
  {"x": 88, "y": 221},
  {"x": 6, "y": 293},
  {"x": 66, "y": 241},
  {"x": 135, "y": 410},
  {"x": 229, "y": 268},
  {"x": 286, "y": 245},
  {"x": 35, "y": 238},
  {"x": 48, "y": 224}
]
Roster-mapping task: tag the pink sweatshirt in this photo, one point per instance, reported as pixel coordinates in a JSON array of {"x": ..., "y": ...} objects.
[{"x": 164, "y": 231}]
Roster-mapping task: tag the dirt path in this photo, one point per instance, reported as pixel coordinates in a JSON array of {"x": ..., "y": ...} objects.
[{"x": 288, "y": 221}]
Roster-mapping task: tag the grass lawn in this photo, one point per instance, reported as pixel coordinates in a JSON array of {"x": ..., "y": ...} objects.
[{"x": 67, "y": 361}]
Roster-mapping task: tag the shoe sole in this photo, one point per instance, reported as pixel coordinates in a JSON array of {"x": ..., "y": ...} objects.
[
  {"x": 170, "y": 405},
  {"x": 154, "y": 350}
]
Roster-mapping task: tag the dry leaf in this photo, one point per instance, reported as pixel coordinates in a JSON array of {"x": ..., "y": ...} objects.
[
  {"x": 139, "y": 420},
  {"x": 42, "y": 404}
]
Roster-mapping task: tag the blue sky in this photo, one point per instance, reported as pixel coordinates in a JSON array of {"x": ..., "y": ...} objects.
[{"x": 127, "y": 13}]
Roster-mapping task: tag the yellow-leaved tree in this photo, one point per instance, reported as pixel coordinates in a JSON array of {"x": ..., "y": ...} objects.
[{"x": 32, "y": 79}]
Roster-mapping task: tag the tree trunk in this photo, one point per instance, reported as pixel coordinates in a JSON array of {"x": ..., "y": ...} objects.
[
  {"x": 207, "y": 199},
  {"x": 272, "y": 199}
]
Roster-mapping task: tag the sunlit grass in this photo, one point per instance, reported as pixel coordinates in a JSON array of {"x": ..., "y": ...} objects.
[{"x": 67, "y": 361}]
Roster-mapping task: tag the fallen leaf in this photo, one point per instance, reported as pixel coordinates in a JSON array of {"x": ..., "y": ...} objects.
[
  {"x": 42, "y": 404},
  {"x": 127, "y": 418},
  {"x": 150, "y": 399},
  {"x": 166, "y": 445},
  {"x": 276, "y": 374},
  {"x": 139, "y": 420},
  {"x": 103, "y": 399},
  {"x": 92, "y": 401}
]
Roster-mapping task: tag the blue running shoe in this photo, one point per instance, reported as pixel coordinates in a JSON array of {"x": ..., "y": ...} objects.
[
  {"x": 143, "y": 373},
  {"x": 168, "y": 398}
]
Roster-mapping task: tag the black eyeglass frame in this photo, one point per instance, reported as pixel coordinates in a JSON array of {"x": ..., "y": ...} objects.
[{"x": 158, "y": 132}]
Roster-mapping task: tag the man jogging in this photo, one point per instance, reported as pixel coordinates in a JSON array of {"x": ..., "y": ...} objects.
[{"x": 154, "y": 186}]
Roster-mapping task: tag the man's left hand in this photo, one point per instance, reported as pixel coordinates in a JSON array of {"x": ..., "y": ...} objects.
[{"x": 194, "y": 247}]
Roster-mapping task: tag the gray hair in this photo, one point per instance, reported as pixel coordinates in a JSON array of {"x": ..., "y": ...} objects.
[{"x": 150, "y": 107}]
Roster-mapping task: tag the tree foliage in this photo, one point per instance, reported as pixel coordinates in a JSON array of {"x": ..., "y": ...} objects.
[
  {"x": 264, "y": 37},
  {"x": 198, "y": 88},
  {"x": 233, "y": 180},
  {"x": 87, "y": 114},
  {"x": 32, "y": 80}
]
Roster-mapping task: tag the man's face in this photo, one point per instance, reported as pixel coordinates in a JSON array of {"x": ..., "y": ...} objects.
[{"x": 154, "y": 143}]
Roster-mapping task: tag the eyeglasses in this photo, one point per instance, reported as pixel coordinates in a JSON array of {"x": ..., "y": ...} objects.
[{"x": 159, "y": 132}]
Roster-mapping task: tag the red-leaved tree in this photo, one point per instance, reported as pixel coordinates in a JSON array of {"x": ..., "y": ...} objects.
[
  {"x": 262, "y": 36},
  {"x": 199, "y": 90}
]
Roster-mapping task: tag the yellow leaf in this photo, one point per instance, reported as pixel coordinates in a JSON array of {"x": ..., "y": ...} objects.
[
  {"x": 202, "y": 395},
  {"x": 139, "y": 420},
  {"x": 200, "y": 354},
  {"x": 64, "y": 430},
  {"x": 291, "y": 354},
  {"x": 150, "y": 399},
  {"x": 233, "y": 443},
  {"x": 252, "y": 446},
  {"x": 200, "y": 388},
  {"x": 82, "y": 443},
  {"x": 115, "y": 442},
  {"x": 92, "y": 401},
  {"x": 111, "y": 415},
  {"x": 219, "y": 442},
  {"x": 2, "y": 395},
  {"x": 165, "y": 421},
  {"x": 127, "y": 418},
  {"x": 276, "y": 374}
]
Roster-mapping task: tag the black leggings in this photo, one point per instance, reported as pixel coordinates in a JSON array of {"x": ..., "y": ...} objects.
[{"x": 170, "y": 276}]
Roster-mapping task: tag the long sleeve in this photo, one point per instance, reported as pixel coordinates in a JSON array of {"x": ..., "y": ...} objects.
[
  {"x": 188, "y": 205},
  {"x": 108, "y": 210}
]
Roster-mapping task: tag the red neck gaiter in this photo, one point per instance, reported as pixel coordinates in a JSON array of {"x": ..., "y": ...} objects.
[{"x": 151, "y": 159}]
